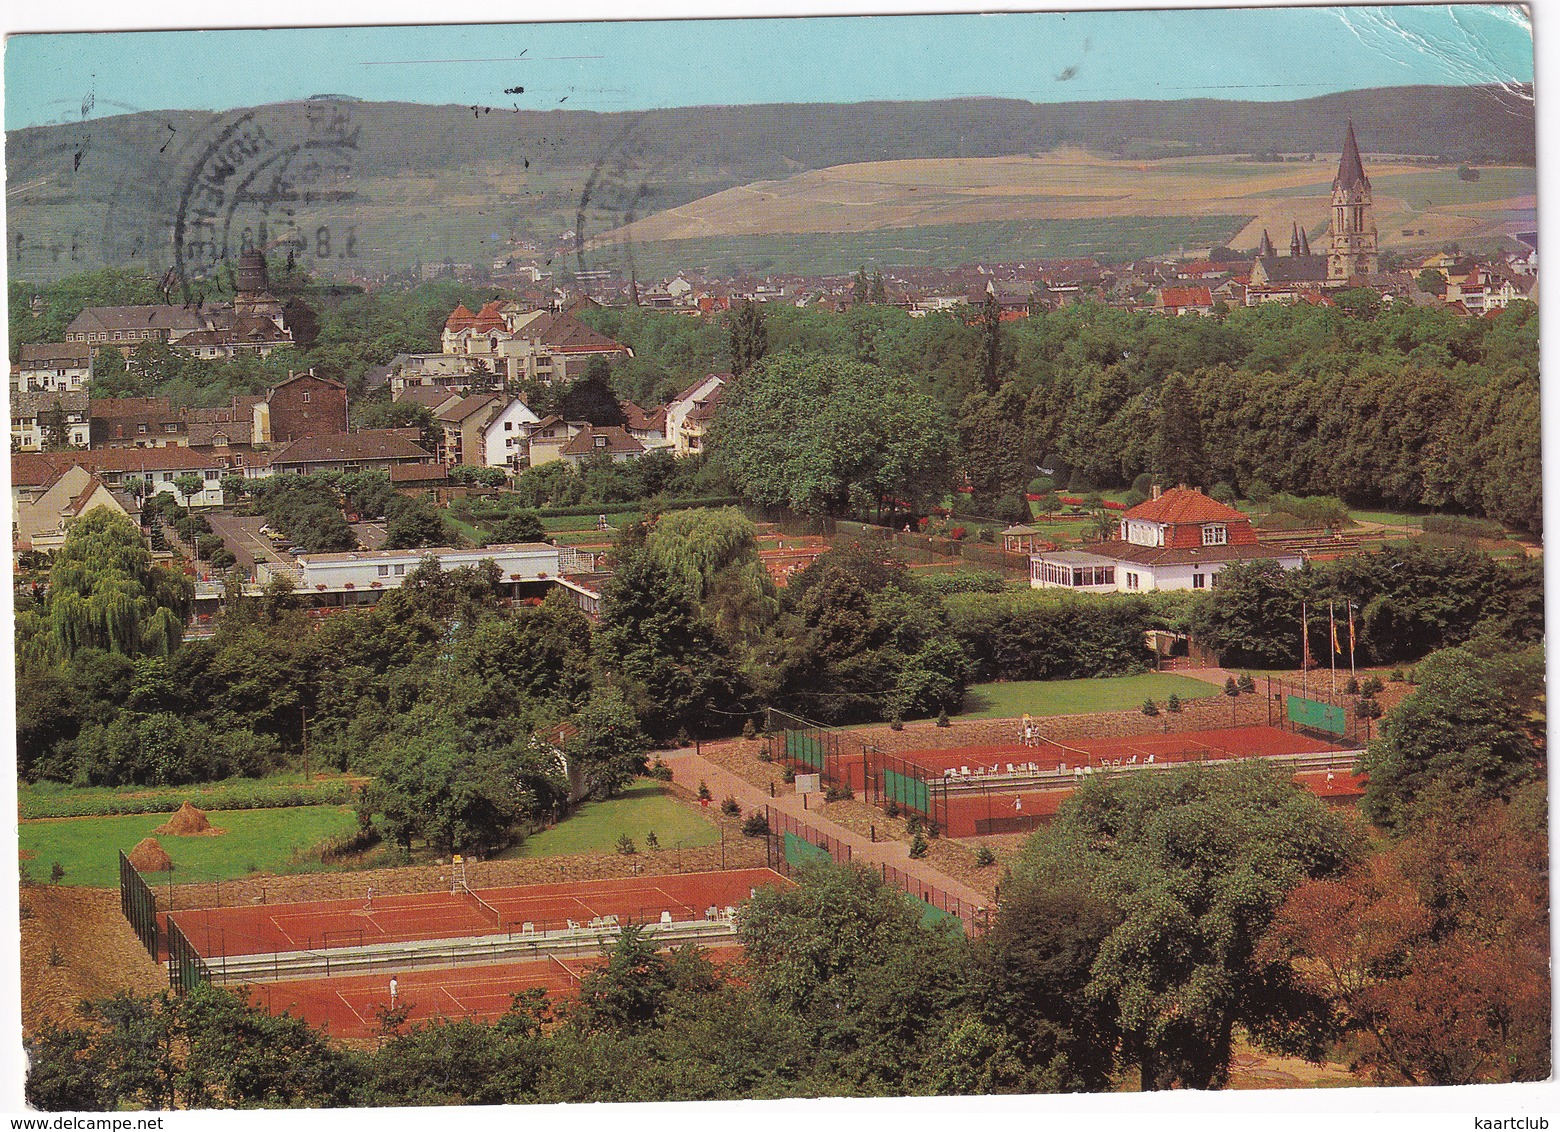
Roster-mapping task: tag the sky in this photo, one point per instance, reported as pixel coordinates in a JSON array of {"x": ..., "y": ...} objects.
[{"x": 1231, "y": 53}]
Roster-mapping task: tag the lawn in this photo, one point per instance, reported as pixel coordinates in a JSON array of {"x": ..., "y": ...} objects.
[
  {"x": 255, "y": 840},
  {"x": 643, "y": 808},
  {"x": 284, "y": 788},
  {"x": 1010, "y": 699}
]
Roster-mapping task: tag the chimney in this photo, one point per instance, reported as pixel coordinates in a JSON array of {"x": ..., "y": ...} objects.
[{"x": 1153, "y": 491}]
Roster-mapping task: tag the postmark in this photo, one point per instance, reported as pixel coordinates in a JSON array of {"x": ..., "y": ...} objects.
[
  {"x": 263, "y": 184},
  {"x": 620, "y": 186}
]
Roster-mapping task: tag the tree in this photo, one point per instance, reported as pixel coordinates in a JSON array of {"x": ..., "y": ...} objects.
[
  {"x": 233, "y": 486},
  {"x": 992, "y": 360},
  {"x": 189, "y": 484},
  {"x": 749, "y": 338},
  {"x": 1450, "y": 744},
  {"x": 517, "y": 526},
  {"x": 1198, "y": 862},
  {"x": 1252, "y": 617},
  {"x": 414, "y": 523},
  {"x": 879, "y": 292},
  {"x": 1435, "y": 951},
  {"x": 859, "y": 288},
  {"x": 591, "y": 399},
  {"x": 1179, "y": 456},
  {"x": 404, "y": 414},
  {"x": 608, "y": 747}
]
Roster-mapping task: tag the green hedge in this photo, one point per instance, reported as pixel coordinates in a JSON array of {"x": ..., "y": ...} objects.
[
  {"x": 1036, "y": 635},
  {"x": 1462, "y": 526},
  {"x": 661, "y": 505},
  {"x": 66, "y": 803}
]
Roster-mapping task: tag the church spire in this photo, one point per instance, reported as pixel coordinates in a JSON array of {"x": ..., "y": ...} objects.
[
  {"x": 1351, "y": 171},
  {"x": 1294, "y": 238},
  {"x": 1305, "y": 243},
  {"x": 1265, "y": 248}
]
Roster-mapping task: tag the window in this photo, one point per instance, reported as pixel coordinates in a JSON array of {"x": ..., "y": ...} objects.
[
  {"x": 167, "y": 477},
  {"x": 601, "y": 441},
  {"x": 384, "y": 571},
  {"x": 1199, "y": 581},
  {"x": 140, "y": 428},
  {"x": 306, "y": 398},
  {"x": 170, "y": 428},
  {"x": 1214, "y": 535},
  {"x": 509, "y": 426},
  {"x": 1132, "y": 581},
  {"x": 400, "y": 568}
]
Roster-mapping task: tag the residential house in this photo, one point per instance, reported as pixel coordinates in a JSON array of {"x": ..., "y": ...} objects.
[
  {"x": 1185, "y": 300},
  {"x": 503, "y": 442},
  {"x": 134, "y": 471},
  {"x": 1179, "y": 540},
  {"x": 434, "y": 398},
  {"x": 689, "y": 413},
  {"x": 548, "y": 437},
  {"x": 54, "y": 367},
  {"x": 647, "y": 428},
  {"x": 39, "y": 523},
  {"x": 305, "y": 405},
  {"x": 136, "y": 422},
  {"x": 42, "y": 419},
  {"x": 463, "y": 423},
  {"x": 367, "y": 449},
  {"x": 609, "y": 440}
]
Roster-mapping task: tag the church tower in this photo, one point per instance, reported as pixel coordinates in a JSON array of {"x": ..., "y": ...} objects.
[{"x": 1353, "y": 247}]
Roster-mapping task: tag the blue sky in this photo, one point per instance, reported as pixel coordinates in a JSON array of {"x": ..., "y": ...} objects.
[{"x": 1264, "y": 53}]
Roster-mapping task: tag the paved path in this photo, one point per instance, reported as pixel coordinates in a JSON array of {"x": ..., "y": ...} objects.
[{"x": 689, "y": 769}]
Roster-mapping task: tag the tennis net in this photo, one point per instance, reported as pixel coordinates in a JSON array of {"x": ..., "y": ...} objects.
[{"x": 481, "y": 905}]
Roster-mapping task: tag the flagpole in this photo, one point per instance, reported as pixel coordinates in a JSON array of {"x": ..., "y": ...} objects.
[
  {"x": 1305, "y": 654},
  {"x": 1332, "y": 646},
  {"x": 1351, "y": 640}
]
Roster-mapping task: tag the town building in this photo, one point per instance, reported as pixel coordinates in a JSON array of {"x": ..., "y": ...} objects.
[
  {"x": 368, "y": 449},
  {"x": 43, "y": 419},
  {"x": 53, "y": 367},
  {"x": 1180, "y": 539},
  {"x": 688, "y": 415},
  {"x": 360, "y": 577},
  {"x": 611, "y": 441},
  {"x": 41, "y": 512}
]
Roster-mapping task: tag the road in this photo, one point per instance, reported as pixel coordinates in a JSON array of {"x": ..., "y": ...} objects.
[{"x": 241, "y": 535}]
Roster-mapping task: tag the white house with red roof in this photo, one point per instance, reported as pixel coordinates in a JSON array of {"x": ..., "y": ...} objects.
[
  {"x": 1179, "y": 540},
  {"x": 689, "y": 413}
]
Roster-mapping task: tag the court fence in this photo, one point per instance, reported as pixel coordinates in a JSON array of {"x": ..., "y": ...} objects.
[
  {"x": 907, "y": 785},
  {"x": 138, "y": 904},
  {"x": 186, "y": 968},
  {"x": 806, "y": 746},
  {"x": 1316, "y": 706},
  {"x": 792, "y": 844}
]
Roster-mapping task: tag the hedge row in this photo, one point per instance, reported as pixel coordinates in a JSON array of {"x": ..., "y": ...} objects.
[
  {"x": 652, "y": 504},
  {"x": 1035, "y": 636},
  {"x": 257, "y": 797}
]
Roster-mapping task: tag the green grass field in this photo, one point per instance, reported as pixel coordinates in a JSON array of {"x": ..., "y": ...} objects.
[
  {"x": 255, "y": 841},
  {"x": 1010, "y": 699},
  {"x": 643, "y": 808},
  {"x": 55, "y": 799}
]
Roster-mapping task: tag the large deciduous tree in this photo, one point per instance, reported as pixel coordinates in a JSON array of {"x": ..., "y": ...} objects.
[{"x": 1196, "y": 862}]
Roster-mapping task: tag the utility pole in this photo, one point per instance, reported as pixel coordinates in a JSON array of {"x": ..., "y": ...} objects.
[{"x": 303, "y": 715}]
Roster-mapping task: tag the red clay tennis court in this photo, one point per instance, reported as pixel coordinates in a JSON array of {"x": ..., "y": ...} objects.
[
  {"x": 356, "y": 922},
  {"x": 351, "y": 1006}
]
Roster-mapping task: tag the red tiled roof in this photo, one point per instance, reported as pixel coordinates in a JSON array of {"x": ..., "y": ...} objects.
[
  {"x": 369, "y": 444},
  {"x": 1185, "y": 505},
  {"x": 1186, "y": 297},
  {"x": 418, "y": 473},
  {"x": 459, "y": 319}
]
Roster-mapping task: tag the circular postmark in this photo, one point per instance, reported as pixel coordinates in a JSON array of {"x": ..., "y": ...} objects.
[
  {"x": 621, "y": 183},
  {"x": 259, "y": 184}
]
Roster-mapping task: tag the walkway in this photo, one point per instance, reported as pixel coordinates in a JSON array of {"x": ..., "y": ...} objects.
[{"x": 689, "y": 769}]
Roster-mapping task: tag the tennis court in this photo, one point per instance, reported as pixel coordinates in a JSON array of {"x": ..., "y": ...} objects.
[
  {"x": 357, "y": 922},
  {"x": 352, "y": 1006}
]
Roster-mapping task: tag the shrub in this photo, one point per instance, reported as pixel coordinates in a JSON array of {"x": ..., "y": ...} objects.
[
  {"x": 1230, "y": 687},
  {"x": 731, "y": 807},
  {"x": 763, "y": 754},
  {"x": 913, "y": 824},
  {"x": 652, "y": 842},
  {"x": 56, "y": 873},
  {"x": 704, "y": 791},
  {"x": 1246, "y": 683},
  {"x": 749, "y": 732},
  {"x": 756, "y": 825},
  {"x": 838, "y": 793},
  {"x": 1150, "y": 707},
  {"x": 1352, "y": 687},
  {"x": 625, "y": 846},
  {"x": 683, "y": 739},
  {"x": 1173, "y": 704},
  {"x": 984, "y": 857},
  {"x": 661, "y": 772},
  {"x": 1224, "y": 493},
  {"x": 942, "y": 719},
  {"x": 918, "y": 847},
  {"x": 896, "y": 724},
  {"x": 1397, "y": 676},
  {"x": 787, "y": 775},
  {"x": 56, "y": 956},
  {"x": 892, "y": 809},
  {"x": 1372, "y": 686}
]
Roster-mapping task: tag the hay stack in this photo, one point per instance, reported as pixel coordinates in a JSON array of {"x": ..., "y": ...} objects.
[
  {"x": 186, "y": 822},
  {"x": 150, "y": 857}
]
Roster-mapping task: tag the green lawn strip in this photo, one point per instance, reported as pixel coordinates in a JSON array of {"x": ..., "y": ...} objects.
[
  {"x": 1009, "y": 699},
  {"x": 553, "y": 523},
  {"x": 1391, "y": 518},
  {"x": 643, "y": 808},
  {"x": 253, "y": 841},
  {"x": 57, "y": 800},
  {"x": 473, "y": 534}
]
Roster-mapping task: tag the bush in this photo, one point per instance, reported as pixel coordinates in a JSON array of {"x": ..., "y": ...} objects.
[
  {"x": 661, "y": 772},
  {"x": 984, "y": 857},
  {"x": 731, "y": 807},
  {"x": 704, "y": 792},
  {"x": 942, "y": 719},
  {"x": 896, "y": 724},
  {"x": 787, "y": 775},
  {"x": 1258, "y": 491},
  {"x": 1352, "y": 687},
  {"x": 56, "y": 873},
  {"x": 1397, "y": 676},
  {"x": 839, "y": 793},
  {"x": 625, "y": 846},
  {"x": 892, "y": 809},
  {"x": 683, "y": 738},
  {"x": 756, "y": 825},
  {"x": 749, "y": 732},
  {"x": 1173, "y": 704},
  {"x": 918, "y": 848},
  {"x": 1372, "y": 686},
  {"x": 1246, "y": 683},
  {"x": 763, "y": 754},
  {"x": 913, "y": 824},
  {"x": 1230, "y": 687},
  {"x": 1224, "y": 493},
  {"x": 652, "y": 842},
  {"x": 1150, "y": 707}
]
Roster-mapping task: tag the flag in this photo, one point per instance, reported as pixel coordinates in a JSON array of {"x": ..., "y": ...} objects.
[
  {"x": 1305, "y": 640},
  {"x": 1332, "y": 625},
  {"x": 1351, "y": 630}
]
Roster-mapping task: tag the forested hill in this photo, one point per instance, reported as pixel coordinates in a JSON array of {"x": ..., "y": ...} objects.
[{"x": 1481, "y": 123}]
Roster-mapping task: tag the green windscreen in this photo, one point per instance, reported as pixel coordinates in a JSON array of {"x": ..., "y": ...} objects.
[
  {"x": 799, "y": 851},
  {"x": 1315, "y": 714},
  {"x": 906, "y": 791}
]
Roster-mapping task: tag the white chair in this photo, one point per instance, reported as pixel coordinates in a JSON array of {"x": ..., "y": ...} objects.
[
  {"x": 712, "y": 913},
  {"x": 573, "y": 927},
  {"x": 528, "y": 928},
  {"x": 666, "y": 917},
  {"x": 964, "y": 770},
  {"x": 1010, "y": 768}
]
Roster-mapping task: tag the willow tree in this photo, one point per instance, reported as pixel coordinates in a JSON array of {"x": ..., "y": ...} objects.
[{"x": 105, "y": 592}]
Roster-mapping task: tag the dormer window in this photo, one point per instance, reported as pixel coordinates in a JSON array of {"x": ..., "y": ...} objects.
[
  {"x": 601, "y": 441},
  {"x": 1215, "y": 534}
]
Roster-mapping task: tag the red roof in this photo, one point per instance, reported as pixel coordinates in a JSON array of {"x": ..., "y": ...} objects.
[
  {"x": 1185, "y": 505},
  {"x": 1186, "y": 297},
  {"x": 459, "y": 319}
]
